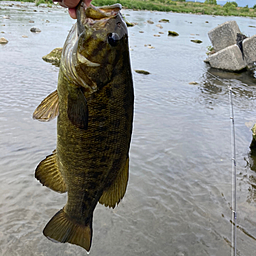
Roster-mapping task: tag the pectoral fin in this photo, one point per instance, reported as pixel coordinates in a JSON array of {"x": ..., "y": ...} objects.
[
  {"x": 77, "y": 108},
  {"x": 48, "y": 108},
  {"x": 112, "y": 195},
  {"x": 48, "y": 173}
]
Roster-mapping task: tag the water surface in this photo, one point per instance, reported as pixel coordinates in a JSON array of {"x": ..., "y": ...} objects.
[{"x": 179, "y": 194}]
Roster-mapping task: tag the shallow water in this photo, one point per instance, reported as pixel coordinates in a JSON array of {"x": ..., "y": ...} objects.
[{"x": 179, "y": 194}]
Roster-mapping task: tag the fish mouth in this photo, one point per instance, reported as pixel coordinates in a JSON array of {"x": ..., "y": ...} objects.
[{"x": 94, "y": 16}]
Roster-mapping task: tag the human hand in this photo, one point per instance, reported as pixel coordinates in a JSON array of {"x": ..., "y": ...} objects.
[{"x": 71, "y": 5}]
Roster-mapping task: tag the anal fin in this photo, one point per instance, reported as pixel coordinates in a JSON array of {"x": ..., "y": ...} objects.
[
  {"x": 48, "y": 108},
  {"x": 48, "y": 173},
  {"x": 61, "y": 228},
  {"x": 112, "y": 195}
]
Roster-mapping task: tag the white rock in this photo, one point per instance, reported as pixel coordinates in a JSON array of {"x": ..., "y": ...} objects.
[
  {"x": 224, "y": 35},
  {"x": 230, "y": 59},
  {"x": 249, "y": 49}
]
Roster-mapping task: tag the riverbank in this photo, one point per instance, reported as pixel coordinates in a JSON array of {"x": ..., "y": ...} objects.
[{"x": 173, "y": 6}]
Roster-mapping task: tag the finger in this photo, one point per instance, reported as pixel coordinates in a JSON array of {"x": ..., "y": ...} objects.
[{"x": 72, "y": 13}]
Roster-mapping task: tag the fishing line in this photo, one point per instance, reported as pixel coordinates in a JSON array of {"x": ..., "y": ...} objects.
[
  {"x": 233, "y": 158},
  {"x": 233, "y": 139}
]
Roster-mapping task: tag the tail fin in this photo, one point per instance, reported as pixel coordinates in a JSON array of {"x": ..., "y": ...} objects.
[{"x": 63, "y": 229}]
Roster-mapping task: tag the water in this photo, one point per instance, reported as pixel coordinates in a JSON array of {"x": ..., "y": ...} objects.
[{"x": 179, "y": 194}]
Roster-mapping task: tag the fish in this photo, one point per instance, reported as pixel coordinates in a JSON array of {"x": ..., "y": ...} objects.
[{"x": 94, "y": 105}]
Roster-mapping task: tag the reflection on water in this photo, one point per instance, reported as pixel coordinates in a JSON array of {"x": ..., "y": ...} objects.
[{"x": 179, "y": 192}]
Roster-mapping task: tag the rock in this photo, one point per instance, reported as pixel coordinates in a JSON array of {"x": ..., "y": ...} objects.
[
  {"x": 164, "y": 20},
  {"x": 129, "y": 24},
  {"x": 229, "y": 59},
  {"x": 35, "y": 30},
  {"x": 252, "y": 26},
  {"x": 53, "y": 57},
  {"x": 141, "y": 31},
  {"x": 142, "y": 72},
  {"x": 196, "y": 41},
  {"x": 31, "y": 21},
  {"x": 24, "y": 36},
  {"x": 150, "y": 22},
  {"x": 193, "y": 83},
  {"x": 249, "y": 49},
  {"x": 253, "y": 143},
  {"x": 3, "y": 40},
  {"x": 161, "y": 32},
  {"x": 172, "y": 33},
  {"x": 207, "y": 21},
  {"x": 156, "y": 35},
  {"x": 159, "y": 26},
  {"x": 224, "y": 35}
]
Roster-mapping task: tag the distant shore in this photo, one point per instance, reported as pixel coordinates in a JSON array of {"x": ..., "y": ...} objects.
[{"x": 229, "y": 9}]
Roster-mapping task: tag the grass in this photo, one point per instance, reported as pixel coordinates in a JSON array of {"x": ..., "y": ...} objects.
[{"x": 174, "y": 6}]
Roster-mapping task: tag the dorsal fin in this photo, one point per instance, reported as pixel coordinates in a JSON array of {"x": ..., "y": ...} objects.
[
  {"x": 48, "y": 108},
  {"x": 112, "y": 195},
  {"x": 48, "y": 173}
]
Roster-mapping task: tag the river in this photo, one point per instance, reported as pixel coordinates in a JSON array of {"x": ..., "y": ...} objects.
[{"x": 179, "y": 193}]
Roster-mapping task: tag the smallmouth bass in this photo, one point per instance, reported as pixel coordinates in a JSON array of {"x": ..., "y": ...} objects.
[{"x": 94, "y": 104}]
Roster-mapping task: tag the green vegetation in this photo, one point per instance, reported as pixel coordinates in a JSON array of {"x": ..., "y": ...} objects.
[
  {"x": 48, "y": 2},
  {"x": 210, "y": 2},
  {"x": 209, "y": 7}
]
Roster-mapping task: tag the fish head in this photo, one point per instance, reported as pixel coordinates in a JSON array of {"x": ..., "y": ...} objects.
[{"x": 100, "y": 45}]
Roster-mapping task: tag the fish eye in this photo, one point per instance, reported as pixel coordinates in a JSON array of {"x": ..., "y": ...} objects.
[{"x": 113, "y": 39}]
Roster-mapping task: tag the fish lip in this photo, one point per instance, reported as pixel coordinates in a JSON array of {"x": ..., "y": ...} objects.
[{"x": 89, "y": 15}]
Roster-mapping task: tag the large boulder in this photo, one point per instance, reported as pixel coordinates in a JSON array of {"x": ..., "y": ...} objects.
[
  {"x": 249, "y": 49},
  {"x": 230, "y": 59},
  {"x": 224, "y": 35}
]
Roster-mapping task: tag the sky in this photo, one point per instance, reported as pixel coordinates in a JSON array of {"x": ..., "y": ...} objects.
[{"x": 241, "y": 3}]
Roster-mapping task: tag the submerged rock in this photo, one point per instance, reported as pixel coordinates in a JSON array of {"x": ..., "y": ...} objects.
[
  {"x": 193, "y": 83},
  {"x": 3, "y": 40},
  {"x": 129, "y": 24},
  {"x": 142, "y": 72},
  {"x": 164, "y": 20},
  {"x": 54, "y": 56},
  {"x": 150, "y": 22},
  {"x": 196, "y": 41},
  {"x": 172, "y": 33},
  {"x": 35, "y": 30},
  {"x": 159, "y": 26}
]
